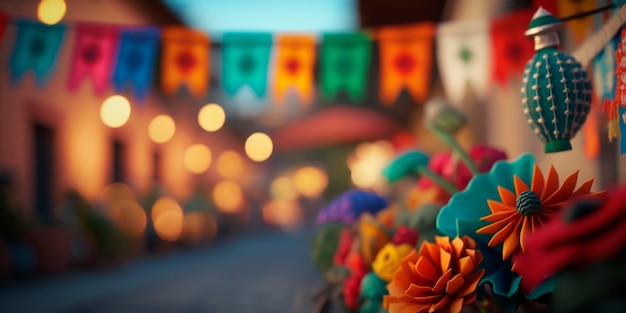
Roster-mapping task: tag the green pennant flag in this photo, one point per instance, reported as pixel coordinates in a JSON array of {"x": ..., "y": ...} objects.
[
  {"x": 245, "y": 59},
  {"x": 344, "y": 64}
]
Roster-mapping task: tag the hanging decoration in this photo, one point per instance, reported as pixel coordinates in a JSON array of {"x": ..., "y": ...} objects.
[
  {"x": 622, "y": 129},
  {"x": 405, "y": 61},
  {"x": 510, "y": 48},
  {"x": 36, "y": 48},
  {"x": 245, "y": 60},
  {"x": 185, "y": 61},
  {"x": 135, "y": 60},
  {"x": 344, "y": 65},
  {"x": 464, "y": 57},
  {"x": 556, "y": 93},
  {"x": 615, "y": 106},
  {"x": 604, "y": 79},
  {"x": 578, "y": 27},
  {"x": 93, "y": 56},
  {"x": 294, "y": 67}
]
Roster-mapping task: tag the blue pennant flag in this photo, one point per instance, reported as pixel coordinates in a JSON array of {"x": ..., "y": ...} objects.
[
  {"x": 135, "y": 60},
  {"x": 622, "y": 129},
  {"x": 36, "y": 48},
  {"x": 604, "y": 65},
  {"x": 245, "y": 60}
]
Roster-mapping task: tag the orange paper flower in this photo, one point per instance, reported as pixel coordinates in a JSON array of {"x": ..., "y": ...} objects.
[
  {"x": 441, "y": 278},
  {"x": 521, "y": 213}
]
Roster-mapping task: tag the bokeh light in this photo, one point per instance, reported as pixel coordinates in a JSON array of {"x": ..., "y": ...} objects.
[
  {"x": 120, "y": 205},
  {"x": 282, "y": 187},
  {"x": 115, "y": 111},
  {"x": 51, "y": 11},
  {"x": 211, "y": 117},
  {"x": 228, "y": 196},
  {"x": 283, "y": 213},
  {"x": 199, "y": 227},
  {"x": 132, "y": 219},
  {"x": 197, "y": 158},
  {"x": 366, "y": 164},
  {"x": 230, "y": 164},
  {"x": 259, "y": 147},
  {"x": 310, "y": 181},
  {"x": 167, "y": 217},
  {"x": 162, "y": 128}
]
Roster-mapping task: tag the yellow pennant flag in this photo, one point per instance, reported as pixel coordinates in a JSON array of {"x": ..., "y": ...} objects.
[
  {"x": 185, "y": 61},
  {"x": 579, "y": 27},
  {"x": 294, "y": 67},
  {"x": 406, "y": 58}
]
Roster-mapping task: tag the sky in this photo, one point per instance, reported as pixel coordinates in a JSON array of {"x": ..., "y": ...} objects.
[{"x": 292, "y": 16}]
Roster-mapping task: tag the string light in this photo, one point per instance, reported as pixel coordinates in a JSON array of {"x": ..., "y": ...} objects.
[
  {"x": 115, "y": 111},
  {"x": 51, "y": 11}
]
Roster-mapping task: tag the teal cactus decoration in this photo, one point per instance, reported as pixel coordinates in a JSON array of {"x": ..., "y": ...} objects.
[{"x": 556, "y": 92}]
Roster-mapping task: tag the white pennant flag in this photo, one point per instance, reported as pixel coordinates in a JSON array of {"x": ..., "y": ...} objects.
[{"x": 463, "y": 57}]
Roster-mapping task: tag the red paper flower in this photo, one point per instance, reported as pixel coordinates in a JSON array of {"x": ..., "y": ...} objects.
[
  {"x": 456, "y": 171},
  {"x": 343, "y": 248},
  {"x": 405, "y": 235},
  {"x": 586, "y": 232},
  {"x": 352, "y": 291},
  {"x": 524, "y": 211},
  {"x": 440, "y": 278}
]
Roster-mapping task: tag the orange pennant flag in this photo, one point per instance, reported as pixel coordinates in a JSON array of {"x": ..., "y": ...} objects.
[
  {"x": 579, "y": 27},
  {"x": 294, "y": 67},
  {"x": 185, "y": 61},
  {"x": 406, "y": 58},
  {"x": 591, "y": 132}
]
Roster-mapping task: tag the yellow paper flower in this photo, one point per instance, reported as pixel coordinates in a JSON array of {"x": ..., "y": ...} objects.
[
  {"x": 373, "y": 237},
  {"x": 519, "y": 214},
  {"x": 388, "y": 260},
  {"x": 440, "y": 278}
]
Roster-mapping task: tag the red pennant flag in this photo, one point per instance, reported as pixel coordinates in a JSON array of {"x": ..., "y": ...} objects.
[
  {"x": 550, "y": 5},
  {"x": 3, "y": 23},
  {"x": 511, "y": 48},
  {"x": 94, "y": 56}
]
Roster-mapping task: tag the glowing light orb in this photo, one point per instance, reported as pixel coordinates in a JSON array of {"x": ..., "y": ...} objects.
[
  {"x": 282, "y": 187},
  {"x": 230, "y": 164},
  {"x": 259, "y": 147},
  {"x": 366, "y": 164},
  {"x": 132, "y": 219},
  {"x": 51, "y": 11},
  {"x": 283, "y": 213},
  {"x": 199, "y": 227},
  {"x": 310, "y": 181},
  {"x": 167, "y": 217},
  {"x": 161, "y": 128},
  {"x": 228, "y": 196},
  {"x": 197, "y": 158},
  {"x": 115, "y": 111},
  {"x": 211, "y": 117}
]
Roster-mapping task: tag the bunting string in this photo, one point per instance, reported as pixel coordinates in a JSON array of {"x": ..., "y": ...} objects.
[{"x": 469, "y": 55}]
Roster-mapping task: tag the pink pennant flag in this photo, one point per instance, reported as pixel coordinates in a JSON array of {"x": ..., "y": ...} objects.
[{"x": 93, "y": 56}]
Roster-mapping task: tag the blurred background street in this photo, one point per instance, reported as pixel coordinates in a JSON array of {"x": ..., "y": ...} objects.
[{"x": 257, "y": 272}]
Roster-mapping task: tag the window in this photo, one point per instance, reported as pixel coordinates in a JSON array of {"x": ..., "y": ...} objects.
[
  {"x": 119, "y": 162},
  {"x": 43, "y": 169}
]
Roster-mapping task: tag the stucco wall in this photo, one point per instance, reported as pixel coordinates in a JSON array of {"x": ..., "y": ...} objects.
[{"x": 83, "y": 144}]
